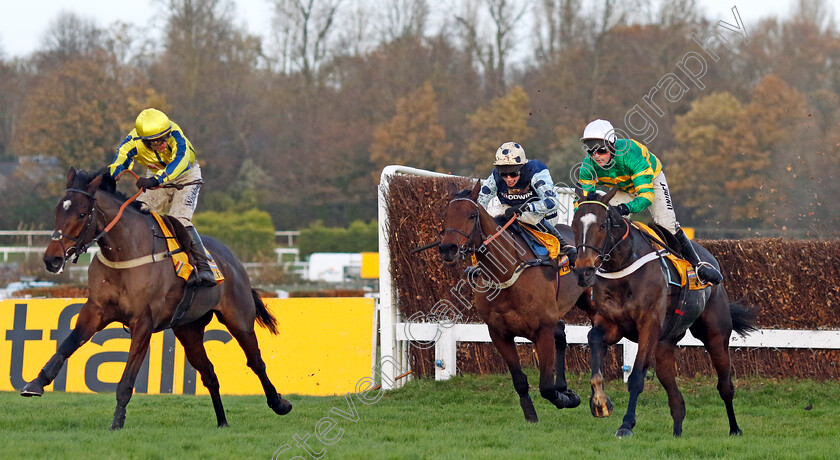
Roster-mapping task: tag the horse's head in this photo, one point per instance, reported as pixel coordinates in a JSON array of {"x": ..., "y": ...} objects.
[
  {"x": 76, "y": 217},
  {"x": 461, "y": 227},
  {"x": 594, "y": 223}
]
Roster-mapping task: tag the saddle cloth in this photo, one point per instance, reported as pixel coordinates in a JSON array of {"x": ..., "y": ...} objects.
[
  {"x": 549, "y": 243},
  {"x": 180, "y": 260},
  {"x": 688, "y": 277}
]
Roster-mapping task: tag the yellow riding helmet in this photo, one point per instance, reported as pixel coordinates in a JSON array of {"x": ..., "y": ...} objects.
[{"x": 152, "y": 124}]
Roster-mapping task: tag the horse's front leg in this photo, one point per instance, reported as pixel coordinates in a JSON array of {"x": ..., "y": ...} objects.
[
  {"x": 141, "y": 333},
  {"x": 546, "y": 351},
  {"x": 599, "y": 403},
  {"x": 507, "y": 348},
  {"x": 560, "y": 345},
  {"x": 648, "y": 338},
  {"x": 90, "y": 322}
]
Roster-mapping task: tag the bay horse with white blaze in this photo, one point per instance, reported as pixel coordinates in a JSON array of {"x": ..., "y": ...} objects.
[
  {"x": 531, "y": 307},
  {"x": 144, "y": 297},
  {"x": 632, "y": 298}
]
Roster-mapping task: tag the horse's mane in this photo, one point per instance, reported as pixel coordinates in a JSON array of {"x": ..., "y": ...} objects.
[{"x": 108, "y": 184}]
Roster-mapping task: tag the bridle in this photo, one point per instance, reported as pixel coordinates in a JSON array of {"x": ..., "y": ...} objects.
[
  {"x": 603, "y": 254},
  {"x": 467, "y": 247},
  {"x": 80, "y": 247}
]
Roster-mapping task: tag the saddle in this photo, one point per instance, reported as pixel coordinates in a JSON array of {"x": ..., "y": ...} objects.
[{"x": 691, "y": 294}]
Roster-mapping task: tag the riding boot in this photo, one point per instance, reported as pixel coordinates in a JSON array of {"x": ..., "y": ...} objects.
[
  {"x": 705, "y": 271},
  {"x": 203, "y": 276},
  {"x": 565, "y": 248}
]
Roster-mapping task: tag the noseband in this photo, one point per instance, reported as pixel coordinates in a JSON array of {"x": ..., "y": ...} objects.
[
  {"x": 603, "y": 253},
  {"x": 79, "y": 247},
  {"x": 465, "y": 248}
]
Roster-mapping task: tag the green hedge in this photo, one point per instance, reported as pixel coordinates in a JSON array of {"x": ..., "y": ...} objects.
[
  {"x": 358, "y": 237},
  {"x": 249, "y": 234}
]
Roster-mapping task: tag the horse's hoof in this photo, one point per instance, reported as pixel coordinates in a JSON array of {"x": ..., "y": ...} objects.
[
  {"x": 281, "y": 408},
  {"x": 115, "y": 427},
  {"x": 736, "y": 432},
  {"x": 32, "y": 388},
  {"x": 624, "y": 433},
  {"x": 600, "y": 410},
  {"x": 223, "y": 425},
  {"x": 528, "y": 409},
  {"x": 574, "y": 399}
]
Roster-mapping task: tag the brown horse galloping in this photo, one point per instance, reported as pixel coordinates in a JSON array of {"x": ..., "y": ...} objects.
[
  {"x": 144, "y": 298},
  {"x": 634, "y": 304},
  {"x": 531, "y": 307}
]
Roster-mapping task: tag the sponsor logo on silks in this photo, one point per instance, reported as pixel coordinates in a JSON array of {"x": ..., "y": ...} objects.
[{"x": 523, "y": 196}]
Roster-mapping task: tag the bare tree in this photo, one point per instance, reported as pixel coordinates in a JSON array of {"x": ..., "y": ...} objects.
[
  {"x": 70, "y": 35},
  {"x": 678, "y": 13},
  {"x": 304, "y": 28},
  {"x": 400, "y": 18},
  {"x": 491, "y": 48},
  {"x": 559, "y": 25},
  {"x": 816, "y": 12}
]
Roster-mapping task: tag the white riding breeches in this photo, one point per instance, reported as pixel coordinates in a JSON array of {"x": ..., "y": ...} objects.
[
  {"x": 662, "y": 208},
  {"x": 179, "y": 204}
]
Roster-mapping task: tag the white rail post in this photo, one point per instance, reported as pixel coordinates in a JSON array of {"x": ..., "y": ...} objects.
[
  {"x": 446, "y": 350},
  {"x": 628, "y": 351}
]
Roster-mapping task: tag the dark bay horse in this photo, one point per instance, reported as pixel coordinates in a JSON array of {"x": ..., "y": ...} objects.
[
  {"x": 143, "y": 298},
  {"x": 531, "y": 307},
  {"x": 634, "y": 304}
]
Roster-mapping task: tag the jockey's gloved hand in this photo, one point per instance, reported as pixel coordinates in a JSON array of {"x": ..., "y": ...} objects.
[
  {"x": 515, "y": 211},
  {"x": 147, "y": 182},
  {"x": 623, "y": 209},
  {"x": 511, "y": 212}
]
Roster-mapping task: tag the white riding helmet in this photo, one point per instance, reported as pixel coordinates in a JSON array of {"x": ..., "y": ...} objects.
[
  {"x": 510, "y": 157},
  {"x": 601, "y": 130}
]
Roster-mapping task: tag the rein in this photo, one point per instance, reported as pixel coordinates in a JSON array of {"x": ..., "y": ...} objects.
[
  {"x": 464, "y": 249},
  {"x": 80, "y": 248}
]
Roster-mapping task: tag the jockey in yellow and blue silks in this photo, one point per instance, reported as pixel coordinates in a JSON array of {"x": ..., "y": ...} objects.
[
  {"x": 630, "y": 166},
  {"x": 524, "y": 189},
  {"x": 161, "y": 146}
]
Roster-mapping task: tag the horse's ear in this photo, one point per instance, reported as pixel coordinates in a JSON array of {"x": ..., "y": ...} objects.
[
  {"x": 475, "y": 190},
  {"x": 579, "y": 192},
  {"x": 93, "y": 185},
  {"x": 453, "y": 190},
  {"x": 609, "y": 196},
  {"x": 71, "y": 175}
]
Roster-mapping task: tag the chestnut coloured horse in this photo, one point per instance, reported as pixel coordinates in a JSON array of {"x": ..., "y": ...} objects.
[
  {"x": 634, "y": 304},
  {"x": 531, "y": 307},
  {"x": 144, "y": 297}
]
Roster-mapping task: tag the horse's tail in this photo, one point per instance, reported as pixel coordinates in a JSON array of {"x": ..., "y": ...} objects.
[
  {"x": 264, "y": 317},
  {"x": 743, "y": 318}
]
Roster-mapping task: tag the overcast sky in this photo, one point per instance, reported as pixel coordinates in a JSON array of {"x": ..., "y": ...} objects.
[{"x": 24, "y": 23}]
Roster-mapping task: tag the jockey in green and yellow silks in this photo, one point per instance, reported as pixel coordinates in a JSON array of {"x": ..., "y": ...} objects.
[
  {"x": 630, "y": 166},
  {"x": 159, "y": 144}
]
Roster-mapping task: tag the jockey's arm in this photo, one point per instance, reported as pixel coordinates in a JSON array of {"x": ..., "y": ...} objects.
[
  {"x": 180, "y": 164},
  {"x": 643, "y": 183},
  {"x": 124, "y": 159},
  {"x": 543, "y": 187},
  {"x": 488, "y": 191}
]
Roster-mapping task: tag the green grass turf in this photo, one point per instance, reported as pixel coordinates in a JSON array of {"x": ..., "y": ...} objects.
[{"x": 467, "y": 417}]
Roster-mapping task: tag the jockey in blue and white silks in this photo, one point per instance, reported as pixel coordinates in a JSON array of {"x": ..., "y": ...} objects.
[{"x": 525, "y": 189}]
